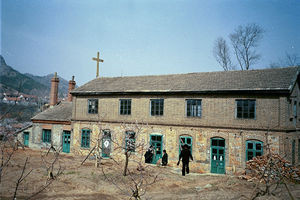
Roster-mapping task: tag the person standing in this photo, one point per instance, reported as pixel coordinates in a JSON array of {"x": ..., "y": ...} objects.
[
  {"x": 164, "y": 160},
  {"x": 149, "y": 155},
  {"x": 185, "y": 154}
]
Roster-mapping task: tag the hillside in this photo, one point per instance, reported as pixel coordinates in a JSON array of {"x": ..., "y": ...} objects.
[
  {"x": 46, "y": 80},
  {"x": 12, "y": 81}
]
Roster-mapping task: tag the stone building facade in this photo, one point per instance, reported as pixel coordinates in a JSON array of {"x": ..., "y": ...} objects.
[
  {"x": 52, "y": 127},
  {"x": 225, "y": 118}
]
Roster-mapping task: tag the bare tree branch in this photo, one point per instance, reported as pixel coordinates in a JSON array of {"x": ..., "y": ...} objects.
[
  {"x": 244, "y": 40},
  {"x": 222, "y": 54}
]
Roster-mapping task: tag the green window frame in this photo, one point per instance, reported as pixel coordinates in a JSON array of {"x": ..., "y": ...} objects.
[
  {"x": 193, "y": 107},
  {"x": 46, "y": 136},
  {"x": 92, "y": 106},
  {"x": 125, "y": 106},
  {"x": 253, "y": 148},
  {"x": 157, "y": 107},
  {"x": 188, "y": 140},
  {"x": 85, "y": 138},
  {"x": 130, "y": 141},
  {"x": 245, "y": 108}
]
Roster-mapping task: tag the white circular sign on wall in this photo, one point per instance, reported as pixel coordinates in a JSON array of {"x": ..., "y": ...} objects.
[{"x": 106, "y": 143}]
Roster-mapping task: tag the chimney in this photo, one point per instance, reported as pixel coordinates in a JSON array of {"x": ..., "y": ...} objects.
[
  {"x": 54, "y": 90},
  {"x": 72, "y": 84}
]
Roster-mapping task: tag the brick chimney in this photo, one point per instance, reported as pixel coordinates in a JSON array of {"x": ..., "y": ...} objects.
[
  {"x": 54, "y": 90},
  {"x": 72, "y": 84}
]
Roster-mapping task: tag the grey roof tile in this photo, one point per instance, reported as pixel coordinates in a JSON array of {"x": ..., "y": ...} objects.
[
  {"x": 265, "y": 79},
  {"x": 60, "y": 112}
]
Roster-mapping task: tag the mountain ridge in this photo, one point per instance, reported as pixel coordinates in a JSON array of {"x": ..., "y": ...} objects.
[{"x": 12, "y": 80}]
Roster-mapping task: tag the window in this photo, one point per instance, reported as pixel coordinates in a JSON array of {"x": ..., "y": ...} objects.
[
  {"x": 253, "y": 149},
  {"x": 157, "y": 107},
  {"x": 93, "y": 106},
  {"x": 193, "y": 107},
  {"x": 245, "y": 109},
  {"x": 185, "y": 140},
  {"x": 125, "y": 106},
  {"x": 130, "y": 141},
  {"x": 46, "y": 136},
  {"x": 85, "y": 138}
]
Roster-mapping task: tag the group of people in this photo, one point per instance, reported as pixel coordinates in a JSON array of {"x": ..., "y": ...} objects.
[
  {"x": 150, "y": 153},
  {"x": 185, "y": 155}
]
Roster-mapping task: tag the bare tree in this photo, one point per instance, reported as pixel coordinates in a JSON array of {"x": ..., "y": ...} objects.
[
  {"x": 133, "y": 176},
  {"x": 244, "y": 40},
  {"x": 291, "y": 59},
  {"x": 222, "y": 54}
]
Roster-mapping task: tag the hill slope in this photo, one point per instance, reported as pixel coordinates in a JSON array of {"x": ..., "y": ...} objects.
[{"x": 12, "y": 81}]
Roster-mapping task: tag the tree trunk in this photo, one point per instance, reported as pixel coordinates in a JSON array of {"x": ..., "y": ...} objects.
[{"x": 126, "y": 163}]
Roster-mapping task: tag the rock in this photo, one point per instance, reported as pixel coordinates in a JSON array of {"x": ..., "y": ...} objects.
[{"x": 207, "y": 186}]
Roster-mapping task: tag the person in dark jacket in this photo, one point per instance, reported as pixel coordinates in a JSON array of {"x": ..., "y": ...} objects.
[
  {"x": 164, "y": 160},
  {"x": 185, "y": 155},
  {"x": 149, "y": 155}
]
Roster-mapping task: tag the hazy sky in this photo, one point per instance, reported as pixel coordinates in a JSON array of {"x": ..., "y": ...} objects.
[{"x": 137, "y": 37}]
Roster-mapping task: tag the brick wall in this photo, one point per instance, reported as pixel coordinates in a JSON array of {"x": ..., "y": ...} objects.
[
  {"x": 217, "y": 111},
  {"x": 235, "y": 142}
]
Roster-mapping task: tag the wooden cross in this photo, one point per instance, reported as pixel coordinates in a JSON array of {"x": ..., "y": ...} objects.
[{"x": 98, "y": 60}]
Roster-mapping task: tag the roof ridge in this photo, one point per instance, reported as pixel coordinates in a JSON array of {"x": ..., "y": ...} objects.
[{"x": 190, "y": 73}]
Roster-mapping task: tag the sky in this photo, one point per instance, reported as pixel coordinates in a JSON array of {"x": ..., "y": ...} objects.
[{"x": 137, "y": 37}]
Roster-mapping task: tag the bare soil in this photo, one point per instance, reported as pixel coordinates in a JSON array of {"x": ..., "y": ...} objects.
[{"x": 83, "y": 182}]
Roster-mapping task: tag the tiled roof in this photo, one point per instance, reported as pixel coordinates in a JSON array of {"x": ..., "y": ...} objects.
[
  {"x": 60, "y": 112},
  {"x": 252, "y": 80}
]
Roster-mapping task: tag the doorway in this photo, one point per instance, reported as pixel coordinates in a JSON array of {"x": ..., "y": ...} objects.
[
  {"x": 156, "y": 142},
  {"x": 66, "y": 141},
  {"x": 26, "y": 139},
  {"x": 106, "y": 143},
  {"x": 218, "y": 155}
]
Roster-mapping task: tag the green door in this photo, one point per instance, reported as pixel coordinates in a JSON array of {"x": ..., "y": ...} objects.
[
  {"x": 66, "y": 141},
  {"x": 156, "y": 142},
  {"x": 185, "y": 140},
  {"x": 106, "y": 143},
  {"x": 26, "y": 138},
  {"x": 218, "y": 155}
]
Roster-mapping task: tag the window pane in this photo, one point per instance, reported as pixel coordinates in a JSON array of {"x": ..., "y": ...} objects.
[
  {"x": 250, "y": 155},
  {"x": 214, "y": 142},
  {"x": 214, "y": 151},
  {"x": 258, "y": 146},
  {"x": 92, "y": 106},
  {"x": 245, "y": 109},
  {"x": 258, "y": 153},
  {"x": 158, "y": 138},
  {"x": 250, "y": 145},
  {"x": 193, "y": 107},
  {"x": 222, "y": 143},
  {"x": 188, "y": 141},
  {"x": 221, "y": 151},
  {"x": 157, "y": 106}
]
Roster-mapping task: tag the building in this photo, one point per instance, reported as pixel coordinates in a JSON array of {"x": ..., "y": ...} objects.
[
  {"x": 53, "y": 125},
  {"x": 226, "y": 118}
]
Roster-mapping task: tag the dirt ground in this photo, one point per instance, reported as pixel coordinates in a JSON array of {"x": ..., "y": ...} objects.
[{"x": 83, "y": 182}]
